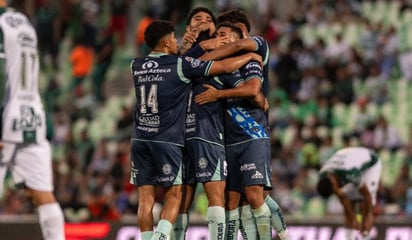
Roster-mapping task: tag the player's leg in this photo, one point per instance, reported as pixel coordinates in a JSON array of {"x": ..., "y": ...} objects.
[
  {"x": 232, "y": 215},
  {"x": 168, "y": 215},
  {"x": 210, "y": 169},
  {"x": 168, "y": 160},
  {"x": 232, "y": 193},
  {"x": 254, "y": 167},
  {"x": 371, "y": 180},
  {"x": 188, "y": 188},
  {"x": 145, "y": 220},
  {"x": 6, "y": 152},
  {"x": 33, "y": 169},
  {"x": 182, "y": 220},
  {"x": 215, "y": 216},
  {"x": 278, "y": 220}
]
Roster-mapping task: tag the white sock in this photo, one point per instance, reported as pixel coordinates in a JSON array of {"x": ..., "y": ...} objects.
[
  {"x": 180, "y": 226},
  {"x": 350, "y": 234},
  {"x": 365, "y": 235},
  {"x": 232, "y": 224},
  {"x": 247, "y": 223},
  {"x": 216, "y": 222},
  {"x": 51, "y": 221}
]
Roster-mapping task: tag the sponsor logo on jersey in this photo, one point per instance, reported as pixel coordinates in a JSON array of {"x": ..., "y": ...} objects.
[
  {"x": 28, "y": 121},
  {"x": 26, "y": 40},
  {"x": 150, "y": 64},
  {"x": 15, "y": 20}
]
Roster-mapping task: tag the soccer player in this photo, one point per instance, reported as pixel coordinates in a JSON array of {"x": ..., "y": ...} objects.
[
  {"x": 204, "y": 158},
  {"x": 25, "y": 150},
  {"x": 161, "y": 82},
  {"x": 259, "y": 45},
  {"x": 351, "y": 171},
  {"x": 246, "y": 134}
]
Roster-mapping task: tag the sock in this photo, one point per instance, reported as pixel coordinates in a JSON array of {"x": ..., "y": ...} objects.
[
  {"x": 146, "y": 235},
  {"x": 232, "y": 224},
  {"x": 262, "y": 216},
  {"x": 215, "y": 217},
  {"x": 51, "y": 221},
  {"x": 163, "y": 230},
  {"x": 365, "y": 235},
  {"x": 248, "y": 224},
  {"x": 278, "y": 221},
  {"x": 180, "y": 226},
  {"x": 350, "y": 234}
]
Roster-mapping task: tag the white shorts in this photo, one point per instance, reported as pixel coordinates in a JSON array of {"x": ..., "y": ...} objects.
[
  {"x": 371, "y": 178},
  {"x": 29, "y": 164}
]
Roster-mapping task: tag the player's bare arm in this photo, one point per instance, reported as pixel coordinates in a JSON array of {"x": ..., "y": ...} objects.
[
  {"x": 245, "y": 44},
  {"x": 250, "y": 89},
  {"x": 367, "y": 214},
  {"x": 348, "y": 208},
  {"x": 229, "y": 65},
  {"x": 214, "y": 43}
]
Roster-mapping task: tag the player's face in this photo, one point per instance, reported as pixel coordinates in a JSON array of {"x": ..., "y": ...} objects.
[
  {"x": 204, "y": 19},
  {"x": 227, "y": 32},
  {"x": 172, "y": 41}
]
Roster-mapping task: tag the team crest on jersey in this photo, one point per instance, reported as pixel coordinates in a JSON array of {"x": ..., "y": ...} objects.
[
  {"x": 150, "y": 64},
  {"x": 195, "y": 63},
  {"x": 167, "y": 169},
  {"x": 203, "y": 163},
  {"x": 28, "y": 121}
]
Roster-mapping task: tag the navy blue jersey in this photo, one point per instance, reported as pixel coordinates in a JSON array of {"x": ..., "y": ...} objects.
[
  {"x": 205, "y": 122},
  {"x": 262, "y": 48},
  {"x": 243, "y": 121},
  {"x": 162, "y": 87}
]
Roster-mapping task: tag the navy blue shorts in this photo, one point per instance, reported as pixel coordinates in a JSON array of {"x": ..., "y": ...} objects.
[
  {"x": 249, "y": 164},
  {"x": 155, "y": 163},
  {"x": 205, "y": 162}
]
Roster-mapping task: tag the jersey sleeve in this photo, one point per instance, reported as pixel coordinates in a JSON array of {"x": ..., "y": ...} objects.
[
  {"x": 262, "y": 48},
  {"x": 252, "y": 70},
  {"x": 189, "y": 68},
  {"x": 195, "y": 51}
]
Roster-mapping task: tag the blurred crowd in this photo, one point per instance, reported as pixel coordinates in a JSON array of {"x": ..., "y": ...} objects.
[{"x": 340, "y": 76}]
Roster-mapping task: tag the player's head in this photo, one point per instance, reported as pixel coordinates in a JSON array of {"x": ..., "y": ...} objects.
[
  {"x": 227, "y": 29},
  {"x": 160, "y": 34},
  {"x": 237, "y": 17},
  {"x": 324, "y": 187},
  {"x": 201, "y": 16}
]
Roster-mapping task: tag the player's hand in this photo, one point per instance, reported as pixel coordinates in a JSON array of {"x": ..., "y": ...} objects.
[
  {"x": 214, "y": 43},
  {"x": 210, "y": 95},
  {"x": 189, "y": 38}
]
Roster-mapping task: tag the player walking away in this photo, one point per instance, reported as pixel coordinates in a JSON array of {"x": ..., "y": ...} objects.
[
  {"x": 162, "y": 86},
  {"x": 25, "y": 150},
  {"x": 259, "y": 45},
  {"x": 350, "y": 171}
]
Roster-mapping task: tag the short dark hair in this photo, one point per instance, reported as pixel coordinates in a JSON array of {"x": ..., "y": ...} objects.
[
  {"x": 234, "y": 16},
  {"x": 156, "y": 31},
  {"x": 324, "y": 187},
  {"x": 231, "y": 26},
  {"x": 197, "y": 10}
]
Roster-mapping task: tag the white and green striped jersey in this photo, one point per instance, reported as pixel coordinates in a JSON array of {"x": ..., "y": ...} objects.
[
  {"x": 23, "y": 116},
  {"x": 349, "y": 164}
]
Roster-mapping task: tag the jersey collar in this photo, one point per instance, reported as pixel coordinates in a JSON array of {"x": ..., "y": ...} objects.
[{"x": 157, "y": 54}]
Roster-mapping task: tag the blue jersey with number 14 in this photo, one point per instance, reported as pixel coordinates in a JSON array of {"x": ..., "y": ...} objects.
[{"x": 162, "y": 85}]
